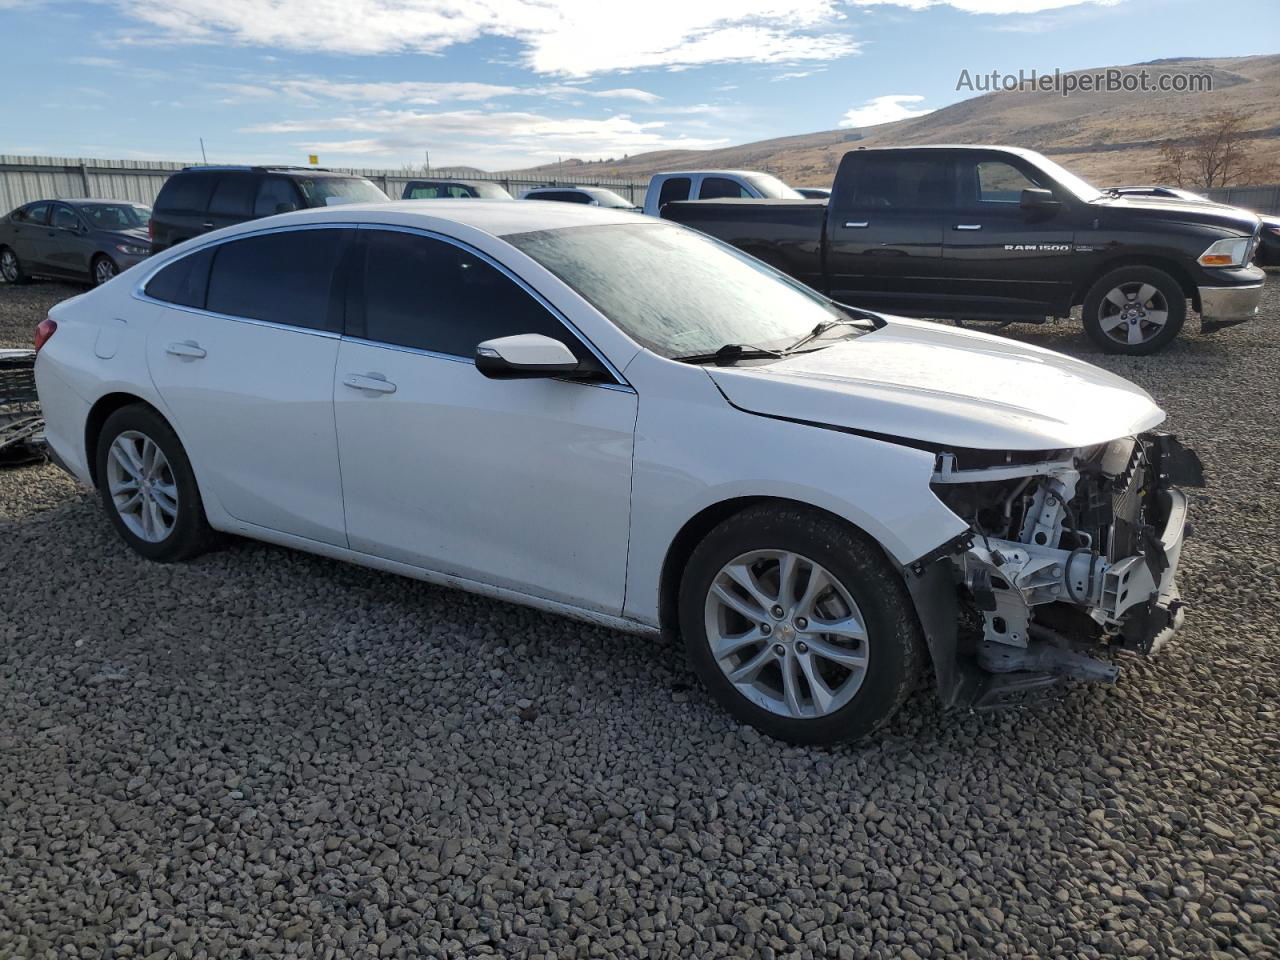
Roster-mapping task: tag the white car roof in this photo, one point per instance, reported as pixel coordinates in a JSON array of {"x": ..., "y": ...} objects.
[
  {"x": 688, "y": 173},
  {"x": 494, "y": 217}
]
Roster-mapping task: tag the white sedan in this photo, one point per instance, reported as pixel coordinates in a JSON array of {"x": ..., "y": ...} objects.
[{"x": 618, "y": 419}]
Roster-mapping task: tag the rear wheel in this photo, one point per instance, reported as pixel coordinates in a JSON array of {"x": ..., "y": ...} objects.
[
  {"x": 148, "y": 487},
  {"x": 102, "y": 269},
  {"x": 799, "y": 626},
  {"x": 11, "y": 267},
  {"x": 1134, "y": 310}
]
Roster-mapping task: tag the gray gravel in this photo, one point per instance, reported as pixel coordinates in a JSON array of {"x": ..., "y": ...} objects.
[{"x": 263, "y": 753}]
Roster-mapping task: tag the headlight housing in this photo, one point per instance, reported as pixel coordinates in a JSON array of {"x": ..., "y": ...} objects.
[
  {"x": 133, "y": 249},
  {"x": 1229, "y": 252}
]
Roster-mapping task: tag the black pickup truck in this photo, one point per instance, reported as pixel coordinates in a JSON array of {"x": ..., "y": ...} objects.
[{"x": 999, "y": 233}]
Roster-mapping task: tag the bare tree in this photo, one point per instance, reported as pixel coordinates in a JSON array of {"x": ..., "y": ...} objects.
[{"x": 1220, "y": 152}]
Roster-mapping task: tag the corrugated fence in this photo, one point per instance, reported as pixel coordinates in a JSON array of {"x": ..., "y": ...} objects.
[
  {"x": 1258, "y": 199},
  {"x": 23, "y": 179}
]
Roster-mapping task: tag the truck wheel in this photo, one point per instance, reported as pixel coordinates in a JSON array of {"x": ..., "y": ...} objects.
[
  {"x": 1134, "y": 311},
  {"x": 798, "y": 625}
]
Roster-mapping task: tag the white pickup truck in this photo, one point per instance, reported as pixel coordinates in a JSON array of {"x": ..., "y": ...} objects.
[{"x": 713, "y": 185}]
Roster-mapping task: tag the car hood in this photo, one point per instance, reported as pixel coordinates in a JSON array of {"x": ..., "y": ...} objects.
[
  {"x": 1183, "y": 211},
  {"x": 136, "y": 235},
  {"x": 956, "y": 388}
]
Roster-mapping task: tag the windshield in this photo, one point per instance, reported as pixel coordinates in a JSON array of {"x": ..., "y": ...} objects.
[
  {"x": 327, "y": 191},
  {"x": 607, "y": 198},
  {"x": 1082, "y": 189},
  {"x": 678, "y": 292},
  {"x": 771, "y": 188},
  {"x": 491, "y": 191},
  {"x": 116, "y": 216}
]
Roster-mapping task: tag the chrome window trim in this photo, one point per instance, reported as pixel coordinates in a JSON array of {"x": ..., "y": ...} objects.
[
  {"x": 519, "y": 281},
  {"x": 139, "y": 291}
]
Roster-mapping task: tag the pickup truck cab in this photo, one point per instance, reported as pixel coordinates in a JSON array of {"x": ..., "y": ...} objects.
[
  {"x": 680, "y": 185},
  {"x": 1000, "y": 233}
]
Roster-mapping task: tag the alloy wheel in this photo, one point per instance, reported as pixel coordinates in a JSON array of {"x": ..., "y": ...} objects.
[
  {"x": 1133, "y": 313},
  {"x": 9, "y": 266},
  {"x": 103, "y": 270},
  {"x": 142, "y": 486},
  {"x": 786, "y": 633}
]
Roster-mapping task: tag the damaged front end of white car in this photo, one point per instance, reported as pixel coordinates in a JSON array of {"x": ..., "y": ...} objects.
[{"x": 1069, "y": 553}]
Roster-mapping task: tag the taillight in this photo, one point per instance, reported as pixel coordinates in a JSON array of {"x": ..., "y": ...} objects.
[{"x": 45, "y": 329}]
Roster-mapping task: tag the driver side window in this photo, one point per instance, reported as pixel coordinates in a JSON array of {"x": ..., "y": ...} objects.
[
  {"x": 999, "y": 182},
  {"x": 426, "y": 294}
]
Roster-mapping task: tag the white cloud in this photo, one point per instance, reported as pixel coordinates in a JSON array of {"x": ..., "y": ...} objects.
[
  {"x": 989, "y": 6},
  {"x": 93, "y": 61},
  {"x": 574, "y": 38},
  {"x": 416, "y": 93},
  {"x": 480, "y": 137},
  {"x": 883, "y": 110},
  {"x": 798, "y": 74}
]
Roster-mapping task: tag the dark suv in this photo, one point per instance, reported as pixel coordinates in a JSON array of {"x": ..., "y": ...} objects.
[{"x": 196, "y": 200}]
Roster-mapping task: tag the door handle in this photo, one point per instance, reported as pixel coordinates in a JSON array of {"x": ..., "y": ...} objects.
[
  {"x": 187, "y": 348},
  {"x": 968, "y": 226},
  {"x": 208, "y": 224},
  {"x": 373, "y": 382},
  {"x": 857, "y": 224}
]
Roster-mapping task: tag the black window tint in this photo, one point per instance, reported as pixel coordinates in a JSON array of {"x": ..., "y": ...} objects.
[
  {"x": 899, "y": 183},
  {"x": 431, "y": 295},
  {"x": 280, "y": 277},
  {"x": 187, "y": 192},
  {"x": 233, "y": 196},
  {"x": 676, "y": 188},
  {"x": 719, "y": 188},
  {"x": 37, "y": 213},
  {"x": 64, "y": 218},
  {"x": 184, "y": 281},
  {"x": 275, "y": 195}
]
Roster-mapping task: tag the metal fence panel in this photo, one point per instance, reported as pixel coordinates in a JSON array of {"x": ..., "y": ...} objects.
[
  {"x": 1265, "y": 199},
  {"x": 23, "y": 179}
]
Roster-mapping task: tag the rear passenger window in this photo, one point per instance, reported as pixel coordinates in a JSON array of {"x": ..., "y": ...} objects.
[
  {"x": 186, "y": 191},
  {"x": 431, "y": 295},
  {"x": 424, "y": 192},
  {"x": 233, "y": 196},
  {"x": 892, "y": 182},
  {"x": 183, "y": 282},
  {"x": 676, "y": 188},
  {"x": 37, "y": 213},
  {"x": 714, "y": 188},
  {"x": 275, "y": 195},
  {"x": 281, "y": 277}
]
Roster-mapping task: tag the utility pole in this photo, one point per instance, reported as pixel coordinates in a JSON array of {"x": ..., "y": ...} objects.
[
  {"x": 426, "y": 159},
  {"x": 203, "y": 158}
]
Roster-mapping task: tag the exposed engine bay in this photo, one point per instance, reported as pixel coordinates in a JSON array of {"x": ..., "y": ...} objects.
[{"x": 1067, "y": 552}]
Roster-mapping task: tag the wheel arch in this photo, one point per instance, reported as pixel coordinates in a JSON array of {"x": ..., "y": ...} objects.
[
  {"x": 1165, "y": 264},
  {"x": 102, "y": 408},
  {"x": 696, "y": 528}
]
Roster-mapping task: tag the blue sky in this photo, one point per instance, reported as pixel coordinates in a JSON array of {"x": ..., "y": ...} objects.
[{"x": 501, "y": 84}]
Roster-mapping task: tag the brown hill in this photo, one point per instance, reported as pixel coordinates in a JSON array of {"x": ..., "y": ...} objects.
[{"x": 1108, "y": 138}]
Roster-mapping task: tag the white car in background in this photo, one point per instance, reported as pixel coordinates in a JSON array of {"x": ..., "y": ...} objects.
[
  {"x": 665, "y": 188},
  {"x": 612, "y": 417},
  {"x": 591, "y": 196}
]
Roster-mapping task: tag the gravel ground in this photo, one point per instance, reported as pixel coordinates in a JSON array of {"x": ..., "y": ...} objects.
[{"x": 263, "y": 753}]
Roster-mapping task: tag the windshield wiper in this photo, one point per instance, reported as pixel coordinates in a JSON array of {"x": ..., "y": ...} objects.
[
  {"x": 730, "y": 354},
  {"x": 822, "y": 328}
]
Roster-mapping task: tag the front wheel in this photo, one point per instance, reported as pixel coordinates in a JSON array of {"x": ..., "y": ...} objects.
[
  {"x": 799, "y": 626},
  {"x": 148, "y": 487},
  {"x": 1134, "y": 311}
]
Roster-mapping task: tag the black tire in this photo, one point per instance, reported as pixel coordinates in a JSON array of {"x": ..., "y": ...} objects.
[
  {"x": 1132, "y": 279},
  {"x": 895, "y": 647},
  {"x": 102, "y": 269},
  {"x": 11, "y": 270},
  {"x": 191, "y": 534}
]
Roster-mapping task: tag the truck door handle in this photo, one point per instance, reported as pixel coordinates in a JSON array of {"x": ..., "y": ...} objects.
[
  {"x": 373, "y": 382},
  {"x": 187, "y": 348},
  {"x": 208, "y": 224},
  {"x": 968, "y": 226},
  {"x": 857, "y": 224}
]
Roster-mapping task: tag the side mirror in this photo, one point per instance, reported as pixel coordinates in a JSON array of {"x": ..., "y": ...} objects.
[
  {"x": 1038, "y": 199},
  {"x": 286, "y": 207},
  {"x": 525, "y": 356}
]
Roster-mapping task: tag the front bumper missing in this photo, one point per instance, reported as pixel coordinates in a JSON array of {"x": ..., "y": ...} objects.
[{"x": 1043, "y": 611}]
